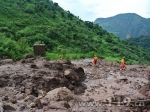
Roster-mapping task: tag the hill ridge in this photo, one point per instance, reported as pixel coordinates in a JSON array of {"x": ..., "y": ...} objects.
[
  {"x": 27, "y": 22},
  {"x": 125, "y": 25}
]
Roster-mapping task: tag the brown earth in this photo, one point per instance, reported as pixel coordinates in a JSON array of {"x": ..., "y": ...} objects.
[{"x": 41, "y": 85}]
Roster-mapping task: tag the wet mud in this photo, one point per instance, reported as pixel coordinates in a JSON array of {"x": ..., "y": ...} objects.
[{"x": 40, "y": 85}]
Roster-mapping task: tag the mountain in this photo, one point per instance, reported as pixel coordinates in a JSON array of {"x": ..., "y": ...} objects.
[
  {"x": 125, "y": 25},
  {"x": 26, "y": 22},
  {"x": 143, "y": 41}
]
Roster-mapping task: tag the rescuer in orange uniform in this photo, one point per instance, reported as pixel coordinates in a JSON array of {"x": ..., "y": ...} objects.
[
  {"x": 60, "y": 57},
  {"x": 95, "y": 59},
  {"x": 123, "y": 66}
]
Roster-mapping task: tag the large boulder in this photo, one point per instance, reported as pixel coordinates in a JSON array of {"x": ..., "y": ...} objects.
[
  {"x": 71, "y": 74},
  {"x": 62, "y": 94},
  {"x": 80, "y": 73}
]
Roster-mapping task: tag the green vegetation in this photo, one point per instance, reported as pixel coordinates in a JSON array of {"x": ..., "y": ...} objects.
[
  {"x": 125, "y": 25},
  {"x": 26, "y": 22},
  {"x": 143, "y": 41}
]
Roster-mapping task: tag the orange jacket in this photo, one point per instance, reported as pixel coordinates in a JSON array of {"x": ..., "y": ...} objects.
[
  {"x": 60, "y": 57},
  {"x": 122, "y": 61},
  {"x": 95, "y": 58}
]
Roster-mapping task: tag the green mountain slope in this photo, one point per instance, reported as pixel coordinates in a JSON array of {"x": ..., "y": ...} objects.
[
  {"x": 125, "y": 25},
  {"x": 25, "y": 22},
  {"x": 143, "y": 41}
]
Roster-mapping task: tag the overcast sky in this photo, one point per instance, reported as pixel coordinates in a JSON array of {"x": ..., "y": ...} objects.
[{"x": 89, "y": 10}]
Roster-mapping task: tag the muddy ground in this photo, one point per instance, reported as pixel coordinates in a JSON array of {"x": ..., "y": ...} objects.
[{"x": 41, "y": 85}]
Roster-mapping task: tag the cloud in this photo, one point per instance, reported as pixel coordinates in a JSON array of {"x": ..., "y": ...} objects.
[{"x": 89, "y": 10}]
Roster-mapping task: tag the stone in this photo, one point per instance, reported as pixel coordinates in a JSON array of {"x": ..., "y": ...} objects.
[{"x": 71, "y": 74}]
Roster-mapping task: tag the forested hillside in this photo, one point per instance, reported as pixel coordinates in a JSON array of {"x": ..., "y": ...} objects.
[
  {"x": 26, "y": 22},
  {"x": 143, "y": 41},
  {"x": 125, "y": 25}
]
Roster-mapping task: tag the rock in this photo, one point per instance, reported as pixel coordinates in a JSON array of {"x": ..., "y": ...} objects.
[
  {"x": 34, "y": 66},
  {"x": 38, "y": 103},
  {"x": 1, "y": 106},
  {"x": 71, "y": 74},
  {"x": 6, "y": 61},
  {"x": 41, "y": 93},
  {"x": 9, "y": 106},
  {"x": 44, "y": 101},
  {"x": 65, "y": 62},
  {"x": 5, "y": 98},
  {"x": 28, "y": 60},
  {"x": 29, "y": 56},
  {"x": 13, "y": 99},
  {"x": 66, "y": 105},
  {"x": 32, "y": 105},
  {"x": 80, "y": 89},
  {"x": 28, "y": 91},
  {"x": 46, "y": 64},
  {"x": 71, "y": 87},
  {"x": 32, "y": 101},
  {"x": 20, "y": 96},
  {"x": 30, "y": 97},
  {"x": 66, "y": 66},
  {"x": 80, "y": 73},
  {"x": 62, "y": 93},
  {"x": 53, "y": 65},
  {"x": 144, "y": 89},
  {"x": 56, "y": 107},
  {"x": 21, "y": 108}
]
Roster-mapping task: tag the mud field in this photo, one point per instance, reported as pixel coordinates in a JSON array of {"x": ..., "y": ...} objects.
[{"x": 41, "y": 85}]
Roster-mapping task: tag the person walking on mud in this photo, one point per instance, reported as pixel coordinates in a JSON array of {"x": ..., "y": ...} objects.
[
  {"x": 95, "y": 59},
  {"x": 123, "y": 66},
  {"x": 60, "y": 57}
]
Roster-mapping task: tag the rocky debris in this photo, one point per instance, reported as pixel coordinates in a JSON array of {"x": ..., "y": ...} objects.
[
  {"x": 38, "y": 84},
  {"x": 25, "y": 84}
]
